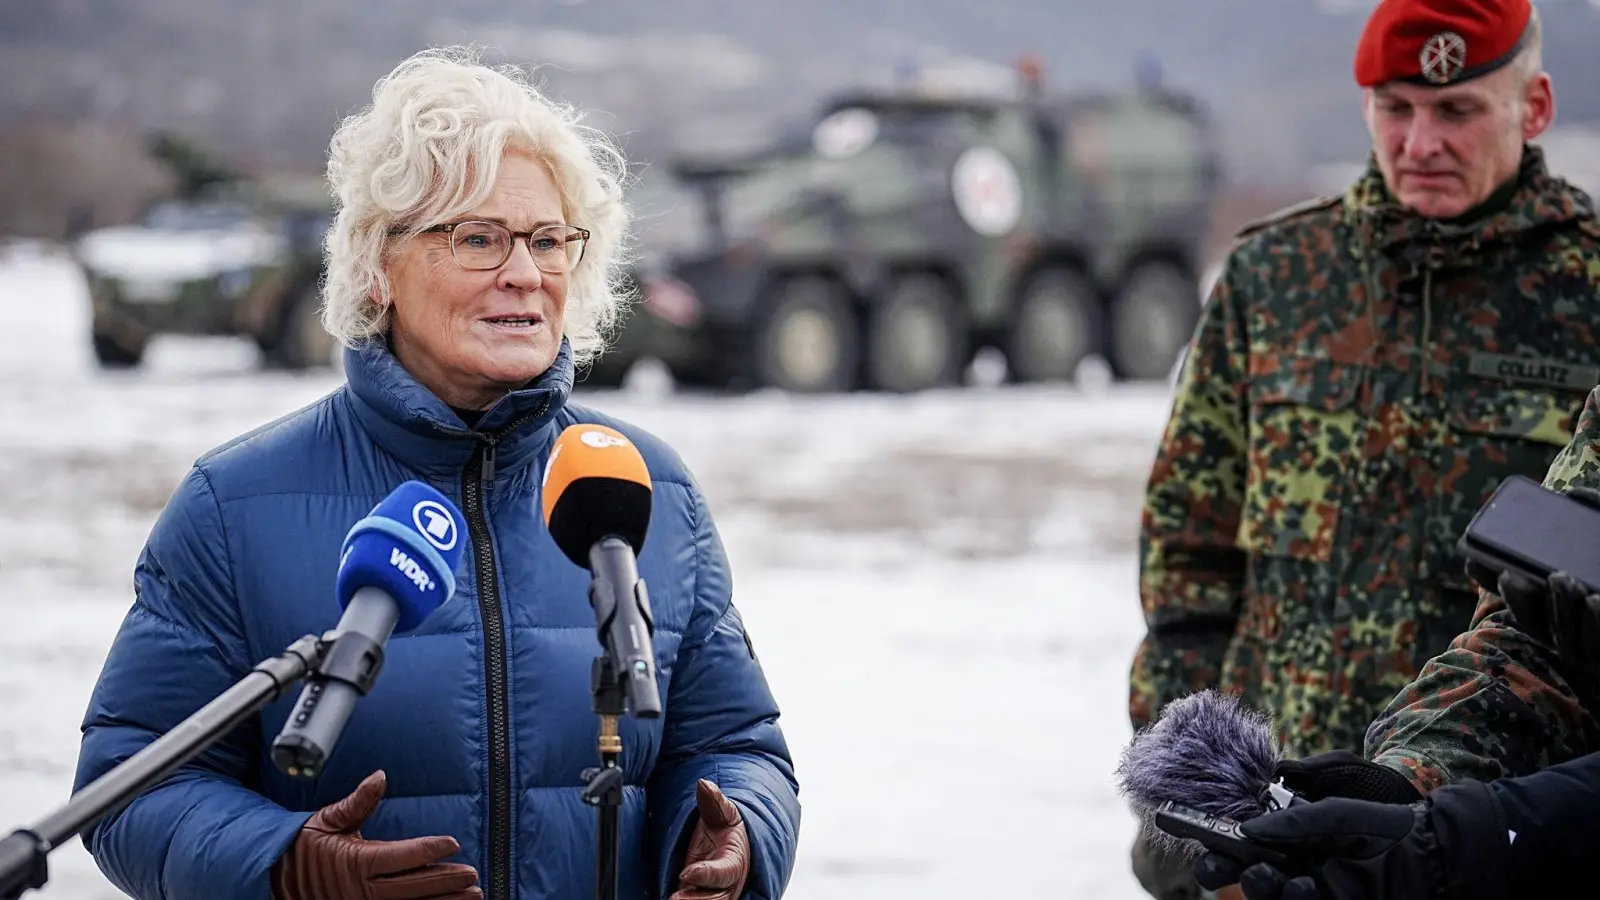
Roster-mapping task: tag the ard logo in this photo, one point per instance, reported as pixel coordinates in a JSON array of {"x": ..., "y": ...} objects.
[{"x": 435, "y": 523}]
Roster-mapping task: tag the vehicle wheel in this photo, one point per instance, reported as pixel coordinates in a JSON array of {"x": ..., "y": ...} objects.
[
  {"x": 1152, "y": 319},
  {"x": 917, "y": 338},
  {"x": 809, "y": 340},
  {"x": 113, "y": 354},
  {"x": 1056, "y": 326},
  {"x": 302, "y": 342}
]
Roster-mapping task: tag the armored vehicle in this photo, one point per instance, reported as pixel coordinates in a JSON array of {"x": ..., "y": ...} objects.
[
  {"x": 243, "y": 262},
  {"x": 907, "y": 230}
]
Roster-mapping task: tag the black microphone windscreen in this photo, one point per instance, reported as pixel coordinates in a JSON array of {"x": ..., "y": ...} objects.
[
  {"x": 1206, "y": 751},
  {"x": 591, "y": 509}
]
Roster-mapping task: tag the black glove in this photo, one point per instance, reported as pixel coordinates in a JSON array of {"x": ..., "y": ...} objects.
[
  {"x": 1452, "y": 844},
  {"x": 1558, "y": 613},
  {"x": 1566, "y": 614},
  {"x": 1163, "y": 872},
  {"x": 1340, "y": 773}
]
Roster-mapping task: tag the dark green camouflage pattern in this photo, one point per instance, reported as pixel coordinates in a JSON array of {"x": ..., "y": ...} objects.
[
  {"x": 1361, "y": 381},
  {"x": 1495, "y": 704}
]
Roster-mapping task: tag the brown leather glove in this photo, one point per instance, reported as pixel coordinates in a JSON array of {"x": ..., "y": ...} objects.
[
  {"x": 329, "y": 860},
  {"x": 718, "y": 859}
]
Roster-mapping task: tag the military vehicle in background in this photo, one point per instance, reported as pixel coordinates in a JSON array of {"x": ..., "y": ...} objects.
[
  {"x": 908, "y": 229},
  {"x": 242, "y": 259}
]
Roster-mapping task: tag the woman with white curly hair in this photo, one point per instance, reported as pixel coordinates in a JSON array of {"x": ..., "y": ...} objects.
[{"x": 471, "y": 268}]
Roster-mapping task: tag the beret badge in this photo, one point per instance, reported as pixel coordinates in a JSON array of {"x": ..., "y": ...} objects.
[{"x": 1443, "y": 57}]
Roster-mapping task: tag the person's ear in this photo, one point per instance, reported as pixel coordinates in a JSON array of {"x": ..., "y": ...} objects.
[{"x": 1538, "y": 106}]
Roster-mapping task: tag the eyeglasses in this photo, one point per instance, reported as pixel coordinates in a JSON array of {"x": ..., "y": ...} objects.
[{"x": 555, "y": 249}]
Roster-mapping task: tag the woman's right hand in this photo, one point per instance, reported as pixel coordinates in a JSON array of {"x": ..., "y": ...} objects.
[{"x": 329, "y": 859}]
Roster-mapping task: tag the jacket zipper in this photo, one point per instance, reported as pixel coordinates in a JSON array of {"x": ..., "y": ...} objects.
[
  {"x": 476, "y": 479},
  {"x": 1435, "y": 262},
  {"x": 1427, "y": 328}
]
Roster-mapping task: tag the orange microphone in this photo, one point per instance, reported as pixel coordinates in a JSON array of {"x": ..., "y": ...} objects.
[{"x": 596, "y": 501}]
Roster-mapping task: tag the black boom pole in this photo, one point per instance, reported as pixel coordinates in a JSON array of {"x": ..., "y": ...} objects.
[{"x": 23, "y": 855}]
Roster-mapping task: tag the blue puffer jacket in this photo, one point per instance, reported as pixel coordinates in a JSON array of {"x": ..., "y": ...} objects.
[{"x": 481, "y": 717}]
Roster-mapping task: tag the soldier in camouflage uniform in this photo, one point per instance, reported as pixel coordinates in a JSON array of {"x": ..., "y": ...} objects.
[
  {"x": 1496, "y": 743},
  {"x": 1502, "y": 701},
  {"x": 1369, "y": 367}
]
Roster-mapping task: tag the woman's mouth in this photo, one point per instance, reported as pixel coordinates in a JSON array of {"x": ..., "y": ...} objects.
[{"x": 515, "y": 323}]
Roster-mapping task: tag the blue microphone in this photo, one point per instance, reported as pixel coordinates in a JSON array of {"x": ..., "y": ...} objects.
[{"x": 396, "y": 567}]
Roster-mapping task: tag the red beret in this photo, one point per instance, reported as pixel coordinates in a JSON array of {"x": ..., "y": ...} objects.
[{"x": 1439, "y": 42}]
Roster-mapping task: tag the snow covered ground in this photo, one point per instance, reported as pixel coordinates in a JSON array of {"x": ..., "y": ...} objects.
[{"x": 941, "y": 590}]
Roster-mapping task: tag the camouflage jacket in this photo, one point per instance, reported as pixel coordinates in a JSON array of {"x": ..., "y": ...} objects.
[
  {"x": 1360, "y": 382},
  {"x": 1496, "y": 704}
]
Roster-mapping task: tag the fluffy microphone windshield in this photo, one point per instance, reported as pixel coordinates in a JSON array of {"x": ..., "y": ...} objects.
[
  {"x": 1206, "y": 751},
  {"x": 595, "y": 486}
]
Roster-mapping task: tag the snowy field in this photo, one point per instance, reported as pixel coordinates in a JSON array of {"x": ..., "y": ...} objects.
[{"x": 942, "y": 590}]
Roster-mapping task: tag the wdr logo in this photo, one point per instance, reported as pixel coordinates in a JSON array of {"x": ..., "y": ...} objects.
[{"x": 409, "y": 568}]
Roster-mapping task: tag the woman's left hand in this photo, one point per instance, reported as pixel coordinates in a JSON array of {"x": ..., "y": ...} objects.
[{"x": 718, "y": 859}]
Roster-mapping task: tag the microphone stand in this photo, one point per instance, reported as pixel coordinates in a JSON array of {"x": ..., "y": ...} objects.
[
  {"x": 619, "y": 686},
  {"x": 24, "y": 854},
  {"x": 603, "y": 786}
]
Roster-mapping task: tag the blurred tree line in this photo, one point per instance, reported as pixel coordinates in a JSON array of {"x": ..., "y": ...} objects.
[
  {"x": 264, "y": 84},
  {"x": 59, "y": 179}
]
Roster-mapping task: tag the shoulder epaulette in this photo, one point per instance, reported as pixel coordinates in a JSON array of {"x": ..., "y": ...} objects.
[{"x": 1315, "y": 204}]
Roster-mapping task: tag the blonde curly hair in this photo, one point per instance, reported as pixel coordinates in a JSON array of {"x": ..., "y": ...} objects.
[{"x": 428, "y": 148}]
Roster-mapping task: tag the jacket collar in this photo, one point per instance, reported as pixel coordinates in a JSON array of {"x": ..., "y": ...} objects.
[
  {"x": 409, "y": 422},
  {"x": 1539, "y": 199}
]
